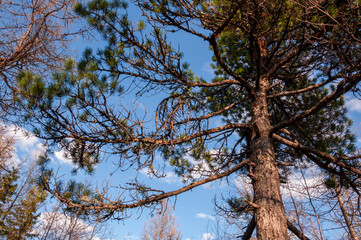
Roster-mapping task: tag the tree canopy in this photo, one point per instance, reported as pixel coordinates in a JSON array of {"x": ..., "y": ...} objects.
[{"x": 281, "y": 71}]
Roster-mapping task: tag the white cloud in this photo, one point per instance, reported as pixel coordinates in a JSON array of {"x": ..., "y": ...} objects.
[
  {"x": 205, "y": 216},
  {"x": 243, "y": 183},
  {"x": 61, "y": 157},
  {"x": 354, "y": 105},
  {"x": 22, "y": 137},
  {"x": 208, "y": 236},
  {"x": 171, "y": 177},
  {"x": 304, "y": 182},
  {"x": 27, "y": 146}
]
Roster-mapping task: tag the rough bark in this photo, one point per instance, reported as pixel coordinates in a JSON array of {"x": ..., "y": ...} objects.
[{"x": 271, "y": 221}]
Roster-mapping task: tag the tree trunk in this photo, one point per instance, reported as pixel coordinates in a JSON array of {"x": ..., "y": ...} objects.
[
  {"x": 345, "y": 214},
  {"x": 271, "y": 221}
]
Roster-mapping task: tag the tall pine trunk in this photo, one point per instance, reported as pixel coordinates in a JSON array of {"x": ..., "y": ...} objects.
[{"x": 271, "y": 221}]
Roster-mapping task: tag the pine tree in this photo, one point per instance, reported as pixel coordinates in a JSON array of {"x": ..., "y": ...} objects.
[
  {"x": 20, "y": 195},
  {"x": 282, "y": 69}
]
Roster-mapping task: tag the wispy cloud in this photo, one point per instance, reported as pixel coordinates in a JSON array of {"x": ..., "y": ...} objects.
[
  {"x": 171, "y": 177},
  {"x": 354, "y": 105},
  {"x": 205, "y": 216},
  {"x": 309, "y": 178},
  {"x": 27, "y": 146},
  {"x": 130, "y": 237},
  {"x": 208, "y": 236},
  {"x": 207, "y": 69},
  {"x": 301, "y": 183},
  {"x": 30, "y": 147},
  {"x": 243, "y": 183},
  {"x": 61, "y": 157},
  {"x": 168, "y": 177},
  {"x": 56, "y": 223},
  {"x": 22, "y": 137}
]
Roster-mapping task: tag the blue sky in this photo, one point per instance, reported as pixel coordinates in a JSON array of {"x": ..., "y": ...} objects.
[{"x": 194, "y": 209}]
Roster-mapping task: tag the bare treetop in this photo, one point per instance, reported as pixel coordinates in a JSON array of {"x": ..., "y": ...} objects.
[{"x": 35, "y": 36}]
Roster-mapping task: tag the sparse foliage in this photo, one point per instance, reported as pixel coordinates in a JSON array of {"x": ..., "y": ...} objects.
[{"x": 34, "y": 36}]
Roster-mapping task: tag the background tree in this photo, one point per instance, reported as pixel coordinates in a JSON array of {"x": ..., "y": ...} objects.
[
  {"x": 162, "y": 227},
  {"x": 20, "y": 195},
  {"x": 282, "y": 68},
  {"x": 23, "y": 209}
]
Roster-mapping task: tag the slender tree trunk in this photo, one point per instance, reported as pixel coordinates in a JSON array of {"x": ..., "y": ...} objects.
[
  {"x": 345, "y": 214},
  {"x": 354, "y": 218},
  {"x": 271, "y": 221}
]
